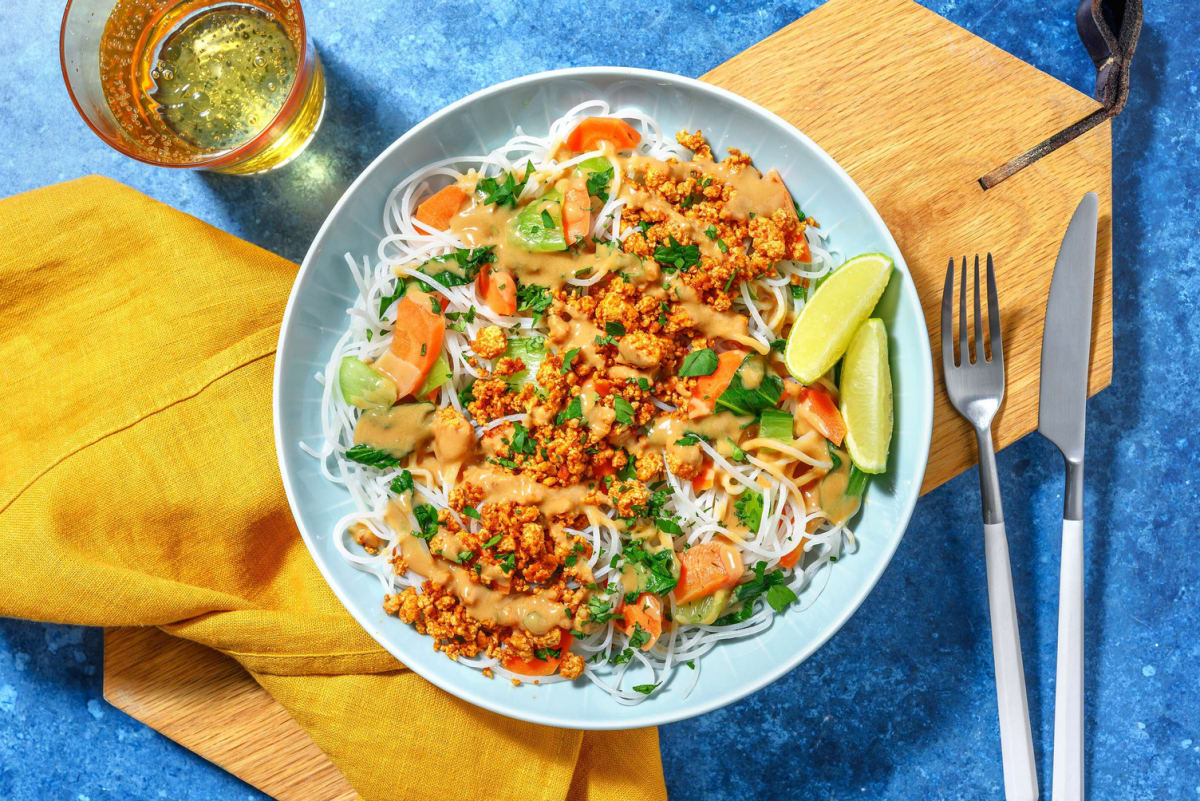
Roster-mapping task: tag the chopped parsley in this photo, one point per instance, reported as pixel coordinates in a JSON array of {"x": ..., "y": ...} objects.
[
  {"x": 547, "y": 220},
  {"x": 607, "y": 339},
  {"x": 569, "y": 357},
  {"x": 435, "y": 304},
  {"x": 773, "y": 585},
  {"x": 547, "y": 653},
  {"x": 597, "y": 183},
  {"x": 574, "y": 410},
  {"x": 469, "y": 261},
  {"x": 471, "y": 511},
  {"x": 698, "y": 363},
  {"x": 506, "y": 192},
  {"x": 639, "y": 637},
  {"x": 656, "y": 570},
  {"x": 736, "y": 453},
  {"x": 599, "y": 610},
  {"x": 464, "y": 557},
  {"x": 623, "y": 410},
  {"x": 533, "y": 298},
  {"x": 508, "y": 562},
  {"x": 614, "y": 329},
  {"x": 668, "y": 526},
  {"x": 371, "y": 457},
  {"x": 721, "y": 244},
  {"x": 711, "y": 232},
  {"x": 690, "y": 664},
  {"x": 427, "y": 519},
  {"x": 402, "y": 482},
  {"x": 386, "y": 301},
  {"x": 522, "y": 442},
  {"x": 675, "y": 256},
  {"x": 621, "y": 658},
  {"x": 493, "y": 542},
  {"x": 778, "y": 345},
  {"x": 646, "y": 689}
]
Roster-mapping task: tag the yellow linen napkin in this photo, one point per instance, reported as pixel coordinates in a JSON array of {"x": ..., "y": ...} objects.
[{"x": 139, "y": 486}]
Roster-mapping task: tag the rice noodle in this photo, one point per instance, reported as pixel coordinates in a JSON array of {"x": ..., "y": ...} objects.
[{"x": 406, "y": 244}]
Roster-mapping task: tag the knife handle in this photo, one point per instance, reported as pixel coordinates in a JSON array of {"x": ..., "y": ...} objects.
[
  {"x": 1016, "y": 738},
  {"x": 1067, "y": 782}
]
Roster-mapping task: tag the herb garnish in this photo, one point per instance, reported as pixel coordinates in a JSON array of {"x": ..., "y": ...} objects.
[
  {"x": 371, "y": 457},
  {"x": 698, "y": 363},
  {"x": 506, "y": 192},
  {"x": 675, "y": 256},
  {"x": 623, "y": 410}
]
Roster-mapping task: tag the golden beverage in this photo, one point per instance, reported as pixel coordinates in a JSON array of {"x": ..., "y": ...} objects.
[{"x": 232, "y": 86}]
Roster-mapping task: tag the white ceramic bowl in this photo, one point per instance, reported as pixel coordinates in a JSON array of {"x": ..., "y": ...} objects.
[{"x": 316, "y": 315}]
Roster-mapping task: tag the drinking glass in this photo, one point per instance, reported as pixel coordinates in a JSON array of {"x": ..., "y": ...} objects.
[{"x": 235, "y": 87}]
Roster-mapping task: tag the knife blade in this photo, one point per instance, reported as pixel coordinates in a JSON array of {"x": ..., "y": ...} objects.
[
  {"x": 1067, "y": 337},
  {"x": 1066, "y": 351}
]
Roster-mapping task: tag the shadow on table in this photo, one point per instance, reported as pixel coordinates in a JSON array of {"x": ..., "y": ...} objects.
[{"x": 284, "y": 208}]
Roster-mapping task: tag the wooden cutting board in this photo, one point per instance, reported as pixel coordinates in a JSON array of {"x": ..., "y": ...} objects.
[{"x": 916, "y": 109}]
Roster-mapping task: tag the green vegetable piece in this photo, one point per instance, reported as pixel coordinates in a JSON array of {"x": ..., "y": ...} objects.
[
  {"x": 703, "y": 611},
  {"x": 749, "y": 509},
  {"x": 439, "y": 374},
  {"x": 529, "y": 231},
  {"x": 364, "y": 386},
  {"x": 599, "y": 172},
  {"x": 531, "y": 351},
  {"x": 776, "y": 424}
]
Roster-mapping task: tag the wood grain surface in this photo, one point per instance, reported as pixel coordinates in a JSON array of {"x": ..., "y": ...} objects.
[{"x": 916, "y": 109}]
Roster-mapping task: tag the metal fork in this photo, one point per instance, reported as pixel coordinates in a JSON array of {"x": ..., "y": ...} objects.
[{"x": 975, "y": 383}]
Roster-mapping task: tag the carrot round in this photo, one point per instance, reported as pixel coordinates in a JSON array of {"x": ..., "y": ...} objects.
[
  {"x": 645, "y": 612},
  {"x": 437, "y": 209},
  {"x": 706, "y": 568},
  {"x": 498, "y": 288},
  {"x": 709, "y": 387},
  {"x": 589, "y": 133},
  {"x": 416, "y": 342},
  {"x": 539, "y": 667},
  {"x": 577, "y": 211}
]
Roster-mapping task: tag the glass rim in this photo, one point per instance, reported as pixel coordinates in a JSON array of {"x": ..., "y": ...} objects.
[{"x": 294, "y": 98}]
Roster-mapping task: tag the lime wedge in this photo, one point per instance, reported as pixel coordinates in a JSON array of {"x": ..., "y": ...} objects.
[
  {"x": 867, "y": 397},
  {"x": 822, "y": 331}
]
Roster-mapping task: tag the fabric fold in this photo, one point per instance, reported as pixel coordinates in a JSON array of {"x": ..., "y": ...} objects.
[{"x": 139, "y": 486}]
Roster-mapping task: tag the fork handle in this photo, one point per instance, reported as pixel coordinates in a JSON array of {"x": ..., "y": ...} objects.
[
  {"x": 1067, "y": 781},
  {"x": 1016, "y": 738}
]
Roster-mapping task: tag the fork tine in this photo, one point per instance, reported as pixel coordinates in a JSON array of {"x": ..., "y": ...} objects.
[
  {"x": 964, "y": 352},
  {"x": 948, "y": 318},
  {"x": 980, "y": 353},
  {"x": 994, "y": 314}
]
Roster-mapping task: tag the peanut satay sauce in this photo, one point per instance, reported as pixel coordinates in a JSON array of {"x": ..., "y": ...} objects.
[{"x": 731, "y": 195}]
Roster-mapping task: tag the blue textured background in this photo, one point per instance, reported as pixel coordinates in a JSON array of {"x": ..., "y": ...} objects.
[{"x": 900, "y": 703}]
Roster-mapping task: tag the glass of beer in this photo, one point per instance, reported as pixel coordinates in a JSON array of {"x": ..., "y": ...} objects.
[{"x": 235, "y": 87}]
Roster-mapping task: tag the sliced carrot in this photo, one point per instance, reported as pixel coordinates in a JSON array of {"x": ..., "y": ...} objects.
[
  {"x": 706, "y": 568},
  {"x": 709, "y": 387},
  {"x": 576, "y": 210},
  {"x": 437, "y": 209},
  {"x": 498, "y": 288},
  {"x": 705, "y": 478},
  {"x": 805, "y": 254},
  {"x": 539, "y": 667},
  {"x": 416, "y": 342},
  {"x": 589, "y": 133},
  {"x": 819, "y": 410},
  {"x": 792, "y": 557},
  {"x": 646, "y": 612}
]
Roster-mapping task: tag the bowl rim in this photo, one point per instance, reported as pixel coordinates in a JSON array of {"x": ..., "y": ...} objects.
[{"x": 641, "y": 715}]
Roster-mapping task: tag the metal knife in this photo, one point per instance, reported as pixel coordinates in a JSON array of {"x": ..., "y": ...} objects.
[{"x": 1066, "y": 352}]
